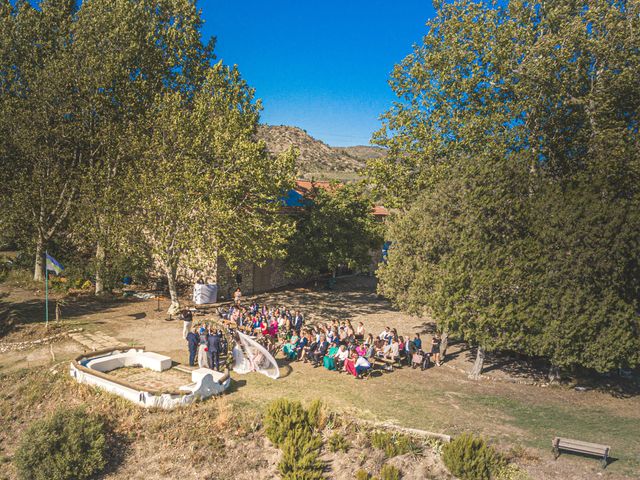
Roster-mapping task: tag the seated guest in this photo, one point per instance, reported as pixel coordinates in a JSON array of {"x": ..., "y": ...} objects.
[
  {"x": 394, "y": 334},
  {"x": 302, "y": 346},
  {"x": 309, "y": 349},
  {"x": 341, "y": 356},
  {"x": 362, "y": 365},
  {"x": 360, "y": 331},
  {"x": 320, "y": 351},
  {"x": 290, "y": 348},
  {"x": 402, "y": 353},
  {"x": 264, "y": 326},
  {"x": 384, "y": 334},
  {"x": 331, "y": 335},
  {"x": 361, "y": 350},
  {"x": 273, "y": 327},
  {"x": 350, "y": 364},
  {"x": 392, "y": 350},
  {"x": 371, "y": 350},
  {"x": 329, "y": 359},
  {"x": 417, "y": 342}
]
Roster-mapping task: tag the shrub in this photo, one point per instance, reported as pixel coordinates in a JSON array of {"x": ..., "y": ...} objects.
[
  {"x": 282, "y": 417},
  {"x": 68, "y": 445},
  {"x": 511, "y": 472},
  {"x": 287, "y": 425},
  {"x": 337, "y": 442},
  {"x": 394, "y": 444},
  {"x": 362, "y": 475},
  {"x": 470, "y": 458},
  {"x": 389, "y": 472},
  {"x": 300, "y": 455},
  {"x": 317, "y": 415}
]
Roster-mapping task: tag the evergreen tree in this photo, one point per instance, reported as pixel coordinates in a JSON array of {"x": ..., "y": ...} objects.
[{"x": 520, "y": 125}]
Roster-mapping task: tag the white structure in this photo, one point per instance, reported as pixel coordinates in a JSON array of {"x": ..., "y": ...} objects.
[
  {"x": 92, "y": 369},
  {"x": 205, "y": 293}
]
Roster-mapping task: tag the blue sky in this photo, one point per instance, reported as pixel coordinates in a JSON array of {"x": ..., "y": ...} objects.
[{"x": 319, "y": 65}]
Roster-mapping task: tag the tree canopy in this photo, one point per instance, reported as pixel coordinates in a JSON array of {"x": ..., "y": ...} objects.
[
  {"x": 122, "y": 136},
  {"x": 514, "y": 160},
  {"x": 335, "y": 229}
]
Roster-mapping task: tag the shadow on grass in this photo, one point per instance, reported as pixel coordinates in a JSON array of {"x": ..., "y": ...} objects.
[
  {"x": 235, "y": 385},
  {"x": 14, "y": 315}
]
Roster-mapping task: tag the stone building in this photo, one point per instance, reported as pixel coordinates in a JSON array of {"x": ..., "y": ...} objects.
[{"x": 253, "y": 278}]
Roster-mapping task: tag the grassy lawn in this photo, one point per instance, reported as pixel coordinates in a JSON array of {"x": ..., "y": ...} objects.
[{"x": 442, "y": 401}]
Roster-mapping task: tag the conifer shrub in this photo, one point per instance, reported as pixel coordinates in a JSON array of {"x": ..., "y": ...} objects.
[
  {"x": 337, "y": 443},
  {"x": 68, "y": 445},
  {"x": 300, "y": 456},
  {"x": 317, "y": 415},
  {"x": 287, "y": 425},
  {"x": 470, "y": 458},
  {"x": 389, "y": 472},
  {"x": 282, "y": 417},
  {"x": 393, "y": 444},
  {"x": 362, "y": 475}
]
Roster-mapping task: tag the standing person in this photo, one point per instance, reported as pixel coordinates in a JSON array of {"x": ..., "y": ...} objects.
[
  {"x": 435, "y": 349},
  {"x": 187, "y": 321},
  {"x": 298, "y": 321},
  {"x": 202, "y": 348},
  {"x": 237, "y": 296},
  {"x": 213, "y": 344},
  {"x": 192, "y": 342}
]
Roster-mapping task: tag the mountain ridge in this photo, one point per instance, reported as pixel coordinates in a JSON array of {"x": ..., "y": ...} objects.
[{"x": 317, "y": 159}]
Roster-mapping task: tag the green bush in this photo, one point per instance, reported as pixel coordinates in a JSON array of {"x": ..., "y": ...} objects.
[
  {"x": 69, "y": 445},
  {"x": 316, "y": 414},
  {"x": 282, "y": 417},
  {"x": 337, "y": 442},
  {"x": 288, "y": 426},
  {"x": 394, "y": 444},
  {"x": 389, "y": 472},
  {"x": 470, "y": 458},
  {"x": 511, "y": 471},
  {"x": 300, "y": 456},
  {"x": 363, "y": 475}
]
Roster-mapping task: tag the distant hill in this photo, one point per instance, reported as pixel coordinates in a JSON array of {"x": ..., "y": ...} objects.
[
  {"x": 362, "y": 152},
  {"x": 317, "y": 159}
]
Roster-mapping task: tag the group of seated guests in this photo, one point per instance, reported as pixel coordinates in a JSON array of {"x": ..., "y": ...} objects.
[
  {"x": 265, "y": 320},
  {"x": 337, "y": 345}
]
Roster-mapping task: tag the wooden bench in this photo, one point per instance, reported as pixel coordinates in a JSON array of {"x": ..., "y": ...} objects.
[
  {"x": 389, "y": 363},
  {"x": 579, "y": 446}
]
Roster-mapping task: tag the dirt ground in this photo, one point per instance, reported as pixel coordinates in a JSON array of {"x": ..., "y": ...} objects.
[{"x": 519, "y": 418}]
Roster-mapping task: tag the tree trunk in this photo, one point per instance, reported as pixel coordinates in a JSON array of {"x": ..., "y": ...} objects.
[
  {"x": 170, "y": 271},
  {"x": 444, "y": 343},
  {"x": 38, "y": 271},
  {"x": 100, "y": 260},
  {"x": 476, "y": 371},
  {"x": 554, "y": 374}
]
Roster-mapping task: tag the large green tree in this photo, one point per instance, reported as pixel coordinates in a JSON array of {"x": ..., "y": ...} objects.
[
  {"x": 41, "y": 153},
  {"x": 205, "y": 187},
  {"x": 129, "y": 51},
  {"x": 520, "y": 125},
  {"x": 335, "y": 228}
]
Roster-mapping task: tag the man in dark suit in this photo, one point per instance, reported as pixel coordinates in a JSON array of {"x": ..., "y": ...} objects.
[
  {"x": 298, "y": 321},
  {"x": 213, "y": 342},
  {"x": 320, "y": 351},
  {"x": 192, "y": 342}
]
